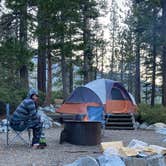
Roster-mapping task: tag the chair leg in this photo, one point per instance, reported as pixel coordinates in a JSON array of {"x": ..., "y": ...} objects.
[
  {"x": 7, "y": 133},
  {"x": 29, "y": 137},
  {"x": 7, "y": 137},
  {"x": 18, "y": 135},
  {"x": 7, "y": 125}
]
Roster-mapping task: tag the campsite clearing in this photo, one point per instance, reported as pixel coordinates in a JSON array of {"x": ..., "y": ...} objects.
[{"x": 57, "y": 154}]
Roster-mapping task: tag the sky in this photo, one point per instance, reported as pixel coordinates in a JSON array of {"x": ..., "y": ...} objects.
[{"x": 106, "y": 20}]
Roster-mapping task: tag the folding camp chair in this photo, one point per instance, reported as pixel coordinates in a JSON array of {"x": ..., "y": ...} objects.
[
  {"x": 17, "y": 134},
  {"x": 96, "y": 113}
]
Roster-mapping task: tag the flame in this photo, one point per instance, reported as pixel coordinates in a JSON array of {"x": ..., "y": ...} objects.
[{"x": 85, "y": 118}]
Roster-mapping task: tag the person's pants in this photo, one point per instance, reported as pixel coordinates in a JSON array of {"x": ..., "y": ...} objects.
[{"x": 36, "y": 126}]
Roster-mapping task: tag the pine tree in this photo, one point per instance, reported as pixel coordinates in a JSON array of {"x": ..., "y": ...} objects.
[{"x": 163, "y": 36}]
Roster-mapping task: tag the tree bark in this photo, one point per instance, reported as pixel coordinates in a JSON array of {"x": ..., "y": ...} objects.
[
  {"x": 64, "y": 72},
  {"x": 71, "y": 77},
  {"x": 71, "y": 70},
  {"x": 137, "y": 76},
  {"x": 41, "y": 72},
  {"x": 164, "y": 51},
  {"x": 154, "y": 54},
  {"x": 23, "y": 43},
  {"x": 87, "y": 50},
  {"x": 112, "y": 53},
  {"x": 64, "y": 66},
  {"x": 102, "y": 65},
  {"x": 122, "y": 64},
  {"x": 49, "y": 75}
]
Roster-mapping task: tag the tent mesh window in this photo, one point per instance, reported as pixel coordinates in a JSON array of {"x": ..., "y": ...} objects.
[{"x": 116, "y": 94}]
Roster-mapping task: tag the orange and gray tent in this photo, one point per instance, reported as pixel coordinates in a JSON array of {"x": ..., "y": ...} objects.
[{"x": 101, "y": 92}]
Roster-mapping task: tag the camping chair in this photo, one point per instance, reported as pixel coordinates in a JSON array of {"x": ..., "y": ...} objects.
[
  {"x": 17, "y": 134},
  {"x": 96, "y": 114}
]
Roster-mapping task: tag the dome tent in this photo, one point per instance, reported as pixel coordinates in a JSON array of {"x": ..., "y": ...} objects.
[{"x": 108, "y": 93}]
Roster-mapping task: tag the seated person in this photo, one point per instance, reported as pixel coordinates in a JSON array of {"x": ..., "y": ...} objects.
[{"x": 25, "y": 117}]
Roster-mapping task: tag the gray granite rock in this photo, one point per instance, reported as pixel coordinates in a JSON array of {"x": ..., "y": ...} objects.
[
  {"x": 84, "y": 161},
  {"x": 154, "y": 160}
]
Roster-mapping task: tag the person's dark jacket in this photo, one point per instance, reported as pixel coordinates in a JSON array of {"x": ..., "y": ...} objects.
[{"x": 25, "y": 112}]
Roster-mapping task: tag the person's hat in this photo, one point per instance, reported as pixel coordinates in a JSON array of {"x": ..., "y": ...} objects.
[{"x": 32, "y": 92}]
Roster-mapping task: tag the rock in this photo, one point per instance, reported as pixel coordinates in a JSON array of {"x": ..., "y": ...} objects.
[
  {"x": 160, "y": 125},
  {"x": 151, "y": 127},
  {"x": 57, "y": 124},
  {"x": 47, "y": 121},
  {"x": 112, "y": 160},
  {"x": 161, "y": 131},
  {"x": 134, "y": 143},
  {"x": 155, "y": 160},
  {"x": 133, "y": 161},
  {"x": 84, "y": 161},
  {"x": 143, "y": 126},
  {"x": 136, "y": 125},
  {"x": 49, "y": 108},
  {"x": 3, "y": 129},
  {"x": 3, "y": 126}
]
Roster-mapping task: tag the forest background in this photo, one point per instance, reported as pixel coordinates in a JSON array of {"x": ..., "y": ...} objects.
[{"x": 73, "y": 48}]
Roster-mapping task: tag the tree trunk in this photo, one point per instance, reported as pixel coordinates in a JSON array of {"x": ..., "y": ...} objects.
[
  {"x": 64, "y": 68},
  {"x": 153, "y": 75},
  {"x": 102, "y": 65},
  {"x": 164, "y": 51},
  {"x": 146, "y": 85},
  {"x": 87, "y": 50},
  {"x": 24, "y": 76},
  {"x": 71, "y": 78},
  {"x": 121, "y": 64},
  {"x": 49, "y": 75},
  {"x": 137, "y": 76},
  {"x": 23, "y": 43},
  {"x": 41, "y": 72},
  {"x": 97, "y": 63},
  {"x": 64, "y": 74},
  {"x": 130, "y": 79},
  {"x": 112, "y": 54},
  {"x": 154, "y": 54},
  {"x": 70, "y": 68},
  {"x": 131, "y": 69}
]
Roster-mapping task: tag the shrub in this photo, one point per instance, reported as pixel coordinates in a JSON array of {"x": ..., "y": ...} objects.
[
  {"x": 41, "y": 98},
  {"x": 11, "y": 96},
  {"x": 57, "y": 95},
  {"x": 151, "y": 114}
]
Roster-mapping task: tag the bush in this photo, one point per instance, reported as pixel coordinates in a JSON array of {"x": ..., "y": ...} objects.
[
  {"x": 57, "y": 95},
  {"x": 151, "y": 114},
  {"x": 11, "y": 96},
  {"x": 41, "y": 98}
]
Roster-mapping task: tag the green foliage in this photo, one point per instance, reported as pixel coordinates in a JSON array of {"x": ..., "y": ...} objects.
[
  {"x": 12, "y": 96},
  {"x": 41, "y": 98},
  {"x": 56, "y": 95},
  {"x": 11, "y": 61},
  {"x": 152, "y": 114}
]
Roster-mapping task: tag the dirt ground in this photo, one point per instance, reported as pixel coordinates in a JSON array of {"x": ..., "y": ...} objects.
[{"x": 56, "y": 154}]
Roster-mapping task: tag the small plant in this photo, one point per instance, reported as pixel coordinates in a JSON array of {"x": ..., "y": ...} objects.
[{"x": 151, "y": 115}]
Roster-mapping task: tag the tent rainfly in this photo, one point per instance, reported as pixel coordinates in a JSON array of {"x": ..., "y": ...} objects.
[{"x": 108, "y": 93}]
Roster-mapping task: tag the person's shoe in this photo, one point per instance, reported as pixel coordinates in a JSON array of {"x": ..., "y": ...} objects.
[{"x": 37, "y": 146}]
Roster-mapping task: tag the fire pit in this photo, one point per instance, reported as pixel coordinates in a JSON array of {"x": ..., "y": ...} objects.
[{"x": 81, "y": 132}]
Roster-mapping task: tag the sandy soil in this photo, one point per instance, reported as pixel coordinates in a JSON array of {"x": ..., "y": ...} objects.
[{"x": 56, "y": 154}]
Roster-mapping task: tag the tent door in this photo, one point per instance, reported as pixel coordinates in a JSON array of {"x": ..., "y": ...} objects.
[{"x": 117, "y": 103}]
